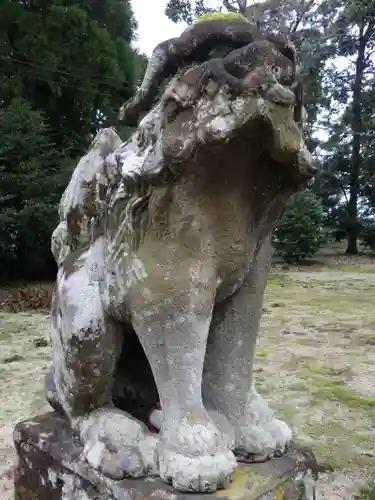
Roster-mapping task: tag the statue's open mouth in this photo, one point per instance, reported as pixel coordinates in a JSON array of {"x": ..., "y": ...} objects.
[{"x": 214, "y": 109}]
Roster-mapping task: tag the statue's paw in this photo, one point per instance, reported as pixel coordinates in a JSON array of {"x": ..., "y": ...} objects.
[
  {"x": 206, "y": 473},
  {"x": 260, "y": 433},
  {"x": 117, "y": 445},
  {"x": 194, "y": 455},
  {"x": 281, "y": 433},
  {"x": 263, "y": 440}
]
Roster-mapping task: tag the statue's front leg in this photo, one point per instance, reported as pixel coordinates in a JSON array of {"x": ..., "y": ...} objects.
[
  {"x": 171, "y": 313},
  {"x": 228, "y": 384},
  {"x": 85, "y": 346}
]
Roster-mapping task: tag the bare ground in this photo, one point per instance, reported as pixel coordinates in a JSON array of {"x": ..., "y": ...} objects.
[
  {"x": 315, "y": 364},
  {"x": 22, "y": 365}
]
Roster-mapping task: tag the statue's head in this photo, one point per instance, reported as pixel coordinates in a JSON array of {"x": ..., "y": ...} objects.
[{"x": 250, "y": 99}]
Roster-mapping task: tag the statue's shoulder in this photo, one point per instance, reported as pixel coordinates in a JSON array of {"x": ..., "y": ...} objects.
[{"x": 81, "y": 205}]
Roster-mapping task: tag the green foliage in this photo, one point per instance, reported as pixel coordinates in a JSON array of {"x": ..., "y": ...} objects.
[
  {"x": 72, "y": 65},
  {"x": 300, "y": 233},
  {"x": 33, "y": 178},
  {"x": 67, "y": 66}
]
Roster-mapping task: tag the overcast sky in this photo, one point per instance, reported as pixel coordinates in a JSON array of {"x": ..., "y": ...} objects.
[{"x": 153, "y": 25}]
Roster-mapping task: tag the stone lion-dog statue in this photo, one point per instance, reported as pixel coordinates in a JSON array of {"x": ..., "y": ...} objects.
[{"x": 163, "y": 250}]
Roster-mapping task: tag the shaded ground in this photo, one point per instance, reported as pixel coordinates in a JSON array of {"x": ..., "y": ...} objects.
[{"x": 315, "y": 364}]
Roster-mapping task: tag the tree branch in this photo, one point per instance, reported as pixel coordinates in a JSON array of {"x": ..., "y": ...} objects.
[
  {"x": 242, "y": 6},
  {"x": 229, "y": 6},
  {"x": 369, "y": 31},
  {"x": 305, "y": 8}
]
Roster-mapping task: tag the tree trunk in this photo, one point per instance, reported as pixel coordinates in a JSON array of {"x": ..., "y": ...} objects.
[
  {"x": 355, "y": 164},
  {"x": 352, "y": 237}
]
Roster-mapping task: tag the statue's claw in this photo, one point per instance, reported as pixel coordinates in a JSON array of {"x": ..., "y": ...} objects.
[{"x": 117, "y": 445}]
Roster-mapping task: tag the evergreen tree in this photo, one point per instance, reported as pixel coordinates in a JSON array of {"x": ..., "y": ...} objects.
[
  {"x": 350, "y": 163},
  {"x": 70, "y": 63},
  {"x": 67, "y": 66}
]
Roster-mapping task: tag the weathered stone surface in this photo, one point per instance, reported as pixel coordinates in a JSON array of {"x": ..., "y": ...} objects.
[
  {"x": 51, "y": 468},
  {"x": 163, "y": 250},
  {"x": 212, "y": 38}
]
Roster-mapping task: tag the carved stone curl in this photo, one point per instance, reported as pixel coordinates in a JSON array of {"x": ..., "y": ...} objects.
[{"x": 163, "y": 250}]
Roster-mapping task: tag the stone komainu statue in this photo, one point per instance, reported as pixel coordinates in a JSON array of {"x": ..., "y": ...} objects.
[{"x": 163, "y": 250}]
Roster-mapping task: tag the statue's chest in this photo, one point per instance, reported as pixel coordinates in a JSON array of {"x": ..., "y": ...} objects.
[
  {"x": 234, "y": 262},
  {"x": 237, "y": 251}
]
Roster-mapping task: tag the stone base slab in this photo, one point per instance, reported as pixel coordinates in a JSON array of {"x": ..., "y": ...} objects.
[{"x": 50, "y": 467}]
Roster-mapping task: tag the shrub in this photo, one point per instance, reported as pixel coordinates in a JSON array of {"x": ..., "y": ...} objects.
[{"x": 300, "y": 233}]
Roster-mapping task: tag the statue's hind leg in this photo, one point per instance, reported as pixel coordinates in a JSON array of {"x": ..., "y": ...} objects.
[
  {"x": 228, "y": 384},
  {"x": 85, "y": 346}
]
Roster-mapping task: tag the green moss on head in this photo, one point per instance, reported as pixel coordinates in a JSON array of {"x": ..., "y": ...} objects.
[{"x": 221, "y": 16}]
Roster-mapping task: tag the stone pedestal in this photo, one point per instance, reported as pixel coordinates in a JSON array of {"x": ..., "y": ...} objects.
[{"x": 50, "y": 468}]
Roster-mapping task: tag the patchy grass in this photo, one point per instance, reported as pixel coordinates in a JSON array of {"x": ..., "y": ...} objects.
[
  {"x": 318, "y": 370},
  {"x": 22, "y": 366},
  {"x": 319, "y": 373},
  {"x": 355, "y": 268},
  {"x": 367, "y": 493},
  {"x": 344, "y": 395}
]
